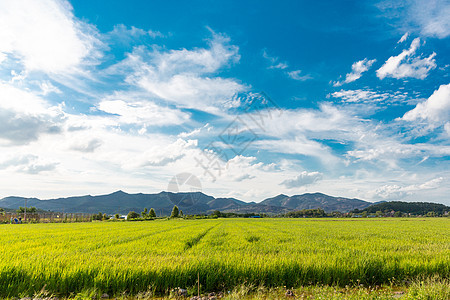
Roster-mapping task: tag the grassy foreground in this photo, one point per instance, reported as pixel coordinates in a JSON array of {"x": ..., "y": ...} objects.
[{"x": 157, "y": 256}]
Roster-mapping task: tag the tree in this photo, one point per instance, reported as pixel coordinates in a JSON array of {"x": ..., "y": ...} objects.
[
  {"x": 152, "y": 213},
  {"x": 117, "y": 216},
  {"x": 31, "y": 209},
  {"x": 144, "y": 214},
  {"x": 216, "y": 214},
  {"x": 181, "y": 213},
  {"x": 132, "y": 215},
  {"x": 175, "y": 212}
]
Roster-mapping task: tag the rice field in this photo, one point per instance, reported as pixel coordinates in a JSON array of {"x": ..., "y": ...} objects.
[{"x": 157, "y": 256}]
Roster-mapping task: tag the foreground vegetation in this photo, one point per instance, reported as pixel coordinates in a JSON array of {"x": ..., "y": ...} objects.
[{"x": 158, "y": 256}]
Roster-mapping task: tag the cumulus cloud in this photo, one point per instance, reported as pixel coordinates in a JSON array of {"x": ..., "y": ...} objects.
[
  {"x": 46, "y": 36},
  {"x": 358, "y": 68},
  {"x": 25, "y": 116},
  {"x": 30, "y": 164},
  {"x": 436, "y": 109},
  {"x": 394, "y": 192},
  {"x": 303, "y": 179},
  {"x": 407, "y": 64}
]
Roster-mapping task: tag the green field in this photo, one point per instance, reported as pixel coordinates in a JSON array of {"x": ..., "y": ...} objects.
[{"x": 116, "y": 257}]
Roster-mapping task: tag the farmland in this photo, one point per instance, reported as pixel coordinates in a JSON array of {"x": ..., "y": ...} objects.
[{"x": 132, "y": 257}]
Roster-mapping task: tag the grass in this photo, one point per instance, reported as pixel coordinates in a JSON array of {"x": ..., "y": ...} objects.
[{"x": 320, "y": 255}]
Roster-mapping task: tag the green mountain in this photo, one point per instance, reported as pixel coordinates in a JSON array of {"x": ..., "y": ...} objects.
[
  {"x": 316, "y": 200},
  {"x": 190, "y": 203},
  {"x": 413, "y": 208}
]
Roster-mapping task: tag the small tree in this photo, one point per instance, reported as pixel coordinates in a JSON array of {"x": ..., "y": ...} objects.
[
  {"x": 152, "y": 213},
  {"x": 132, "y": 215},
  {"x": 175, "y": 212},
  {"x": 116, "y": 216},
  {"x": 144, "y": 214}
]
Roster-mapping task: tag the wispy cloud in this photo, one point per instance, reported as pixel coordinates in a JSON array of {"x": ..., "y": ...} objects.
[
  {"x": 274, "y": 62},
  {"x": 403, "y": 38},
  {"x": 358, "y": 68},
  {"x": 369, "y": 97},
  {"x": 122, "y": 33},
  {"x": 187, "y": 78},
  {"x": 427, "y": 18},
  {"x": 407, "y": 64},
  {"x": 296, "y": 75}
]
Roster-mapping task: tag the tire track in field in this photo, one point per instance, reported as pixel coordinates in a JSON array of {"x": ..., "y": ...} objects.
[
  {"x": 132, "y": 239},
  {"x": 196, "y": 239},
  {"x": 93, "y": 246}
]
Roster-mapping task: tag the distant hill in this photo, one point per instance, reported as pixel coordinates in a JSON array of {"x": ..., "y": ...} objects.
[
  {"x": 316, "y": 200},
  {"x": 414, "y": 208},
  {"x": 190, "y": 203}
]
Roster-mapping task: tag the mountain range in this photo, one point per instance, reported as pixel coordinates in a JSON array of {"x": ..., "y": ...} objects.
[{"x": 190, "y": 202}]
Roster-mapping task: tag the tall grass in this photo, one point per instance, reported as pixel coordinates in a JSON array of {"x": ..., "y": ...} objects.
[{"x": 161, "y": 255}]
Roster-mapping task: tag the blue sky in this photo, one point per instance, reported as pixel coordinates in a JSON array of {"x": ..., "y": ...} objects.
[{"x": 348, "y": 98}]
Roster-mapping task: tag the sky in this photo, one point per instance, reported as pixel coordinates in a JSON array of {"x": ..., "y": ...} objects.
[{"x": 253, "y": 99}]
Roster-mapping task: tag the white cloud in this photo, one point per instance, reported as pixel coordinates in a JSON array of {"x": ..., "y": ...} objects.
[
  {"x": 186, "y": 77},
  {"x": 30, "y": 164},
  {"x": 395, "y": 192},
  {"x": 86, "y": 146},
  {"x": 406, "y": 64},
  {"x": 274, "y": 61},
  {"x": 25, "y": 116},
  {"x": 435, "y": 109},
  {"x": 390, "y": 150},
  {"x": 46, "y": 36},
  {"x": 427, "y": 18},
  {"x": 296, "y": 75},
  {"x": 143, "y": 113},
  {"x": 369, "y": 96},
  {"x": 47, "y": 87},
  {"x": 124, "y": 34},
  {"x": 431, "y": 17},
  {"x": 161, "y": 156},
  {"x": 358, "y": 68},
  {"x": 305, "y": 178},
  {"x": 403, "y": 38}
]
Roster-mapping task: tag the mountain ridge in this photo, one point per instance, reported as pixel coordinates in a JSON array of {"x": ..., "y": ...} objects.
[{"x": 190, "y": 202}]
